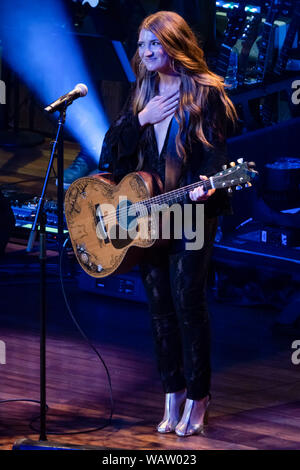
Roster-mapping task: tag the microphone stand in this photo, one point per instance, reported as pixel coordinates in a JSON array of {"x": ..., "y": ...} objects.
[{"x": 39, "y": 224}]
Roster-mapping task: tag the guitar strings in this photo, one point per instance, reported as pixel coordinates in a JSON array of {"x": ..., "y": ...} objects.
[
  {"x": 156, "y": 199},
  {"x": 111, "y": 216}
]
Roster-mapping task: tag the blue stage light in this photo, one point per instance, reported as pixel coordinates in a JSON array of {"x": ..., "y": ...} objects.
[
  {"x": 39, "y": 46},
  {"x": 124, "y": 60}
]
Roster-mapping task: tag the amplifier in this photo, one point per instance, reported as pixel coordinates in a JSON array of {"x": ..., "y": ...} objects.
[
  {"x": 24, "y": 209},
  {"x": 25, "y": 214},
  {"x": 272, "y": 235},
  {"x": 127, "y": 286},
  {"x": 280, "y": 236}
]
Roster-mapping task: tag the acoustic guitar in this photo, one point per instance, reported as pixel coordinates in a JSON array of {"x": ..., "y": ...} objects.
[
  {"x": 236, "y": 21},
  {"x": 111, "y": 224},
  {"x": 264, "y": 59}
]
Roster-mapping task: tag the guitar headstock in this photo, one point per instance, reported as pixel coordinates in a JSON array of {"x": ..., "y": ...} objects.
[
  {"x": 236, "y": 19},
  {"x": 236, "y": 175},
  {"x": 273, "y": 8},
  {"x": 287, "y": 7}
]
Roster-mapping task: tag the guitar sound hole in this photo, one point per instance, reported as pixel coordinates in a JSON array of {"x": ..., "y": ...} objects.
[{"x": 119, "y": 237}]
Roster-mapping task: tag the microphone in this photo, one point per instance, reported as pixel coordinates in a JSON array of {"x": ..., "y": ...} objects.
[{"x": 65, "y": 100}]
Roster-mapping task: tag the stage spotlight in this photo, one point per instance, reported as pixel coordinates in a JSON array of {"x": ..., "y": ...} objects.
[
  {"x": 38, "y": 44},
  {"x": 104, "y": 4}
]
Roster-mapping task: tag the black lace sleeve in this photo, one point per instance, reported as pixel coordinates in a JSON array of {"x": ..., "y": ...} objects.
[
  {"x": 208, "y": 161},
  {"x": 120, "y": 144},
  {"x": 215, "y": 128},
  {"x": 217, "y": 156}
]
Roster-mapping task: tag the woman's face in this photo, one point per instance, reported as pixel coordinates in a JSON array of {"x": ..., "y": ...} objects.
[{"x": 151, "y": 52}]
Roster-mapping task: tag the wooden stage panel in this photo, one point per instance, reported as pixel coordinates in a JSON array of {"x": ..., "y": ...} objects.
[{"x": 264, "y": 415}]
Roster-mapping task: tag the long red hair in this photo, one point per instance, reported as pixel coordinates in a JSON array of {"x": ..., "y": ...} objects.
[{"x": 197, "y": 81}]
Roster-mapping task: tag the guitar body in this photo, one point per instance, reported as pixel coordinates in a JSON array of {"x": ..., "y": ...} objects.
[
  {"x": 236, "y": 20},
  {"x": 110, "y": 225},
  {"x": 286, "y": 49},
  {"x": 247, "y": 40},
  {"x": 101, "y": 232}
]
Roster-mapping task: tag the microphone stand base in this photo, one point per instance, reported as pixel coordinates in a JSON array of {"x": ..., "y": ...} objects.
[{"x": 29, "y": 444}]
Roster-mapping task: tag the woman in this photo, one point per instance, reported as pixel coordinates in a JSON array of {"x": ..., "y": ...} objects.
[{"x": 175, "y": 125}]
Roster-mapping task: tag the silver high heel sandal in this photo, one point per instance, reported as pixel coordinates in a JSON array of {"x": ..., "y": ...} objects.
[
  {"x": 173, "y": 404},
  {"x": 194, "y": 418}
]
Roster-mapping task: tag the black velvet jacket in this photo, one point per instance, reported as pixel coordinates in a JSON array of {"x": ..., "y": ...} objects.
[{"x": 126, "y": 139}]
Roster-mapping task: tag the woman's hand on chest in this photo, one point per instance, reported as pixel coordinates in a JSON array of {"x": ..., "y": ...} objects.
[{"x": 158, "y": 109}]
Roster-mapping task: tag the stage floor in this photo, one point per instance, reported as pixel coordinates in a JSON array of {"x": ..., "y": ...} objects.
[{"x": 255, "y": 385}]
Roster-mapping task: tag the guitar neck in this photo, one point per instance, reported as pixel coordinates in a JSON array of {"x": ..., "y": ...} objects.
[
  {"x": 261, "y": 65},
  {"x": 288, "y": 42},
  {"x": 235, "y": 175},
  {"x": 248, "y": 38},
  {"x": 234, "y": 28},
  {"x": 264, "y": 49},
  {"x": 156, "y": 203},
  {"x": 223, "y": 59}
]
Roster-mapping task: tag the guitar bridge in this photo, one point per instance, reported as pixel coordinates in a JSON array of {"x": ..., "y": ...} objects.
[{"x": 100, "y": 225}]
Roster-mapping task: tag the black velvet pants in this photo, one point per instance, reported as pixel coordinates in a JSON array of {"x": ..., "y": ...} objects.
[{"x": 175, "y": 281}]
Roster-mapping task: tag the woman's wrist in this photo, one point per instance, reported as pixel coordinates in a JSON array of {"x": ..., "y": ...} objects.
[{"x": 141, "y": 118}]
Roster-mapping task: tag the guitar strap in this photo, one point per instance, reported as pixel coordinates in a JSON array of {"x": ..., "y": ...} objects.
[{"x": 174, "y": 165}]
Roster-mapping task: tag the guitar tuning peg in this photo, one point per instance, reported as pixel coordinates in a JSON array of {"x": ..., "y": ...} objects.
[
  {"x": 248, "y": 185},
  {"x": 238, "y": 187},
  {"x": 224, "y": 167},
  {"x": 229, "y": 190},
  {"x": 240, "y": 160},
  {"x": 232, "y": 163}
]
